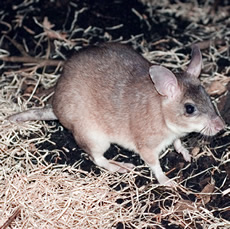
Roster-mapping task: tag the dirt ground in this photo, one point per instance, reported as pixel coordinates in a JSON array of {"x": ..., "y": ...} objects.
[{"x": 46, "y": 180}]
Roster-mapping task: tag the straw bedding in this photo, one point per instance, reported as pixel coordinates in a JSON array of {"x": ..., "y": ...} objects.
[{"x": 46, "y": 181}]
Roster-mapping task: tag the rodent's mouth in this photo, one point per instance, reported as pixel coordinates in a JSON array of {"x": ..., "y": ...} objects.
[{"x": 213, "y": 127}]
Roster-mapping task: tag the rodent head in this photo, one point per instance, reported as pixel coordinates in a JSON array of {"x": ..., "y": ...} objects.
[{"x": 186, "y": 106}]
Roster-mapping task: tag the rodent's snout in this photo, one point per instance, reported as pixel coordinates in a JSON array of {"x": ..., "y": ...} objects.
[
  {"x": 218, "y": 124},
  {"x": 213, "y": 126}
]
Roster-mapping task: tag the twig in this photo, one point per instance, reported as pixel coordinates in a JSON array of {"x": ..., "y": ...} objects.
[
  {"x": 11, "y": 218},
  {"x": 206, "y": 44},
  {"x": 28, "y": 59},
  {"x": 18, "y": 46}
]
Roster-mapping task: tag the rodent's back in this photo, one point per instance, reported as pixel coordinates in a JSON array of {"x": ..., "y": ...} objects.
[
  {"x": 118, "y": 62},
  {"x": 99, "y": 78}
]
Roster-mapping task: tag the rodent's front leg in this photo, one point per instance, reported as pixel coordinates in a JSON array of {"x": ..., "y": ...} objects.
[
  {"x": 161, "y": 177},
  {"x": 181, "y": 149},
  {"x": 151, "y": 158}
]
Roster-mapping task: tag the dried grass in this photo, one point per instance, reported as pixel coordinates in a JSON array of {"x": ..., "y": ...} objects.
[{"x": 38, "y": 194}]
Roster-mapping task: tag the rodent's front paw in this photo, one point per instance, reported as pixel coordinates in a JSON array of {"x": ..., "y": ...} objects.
[
  {"x": 167, "y": 182},
  {"x": 181, "y": 149},
  {"x": 186, "y": 155}
]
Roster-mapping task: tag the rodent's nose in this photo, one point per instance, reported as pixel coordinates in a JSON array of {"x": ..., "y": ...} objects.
[{"x": 218, "y": 124}]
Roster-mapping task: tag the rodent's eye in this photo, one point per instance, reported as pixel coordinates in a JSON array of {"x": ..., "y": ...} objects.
[{"x": 189, "y": 108}]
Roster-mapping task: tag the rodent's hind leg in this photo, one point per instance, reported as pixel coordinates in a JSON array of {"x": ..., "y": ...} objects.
[{"x": 96, "y": 143}]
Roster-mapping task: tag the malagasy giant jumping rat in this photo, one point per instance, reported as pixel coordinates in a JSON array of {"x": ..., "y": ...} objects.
[{"x": 111, "y": 94}]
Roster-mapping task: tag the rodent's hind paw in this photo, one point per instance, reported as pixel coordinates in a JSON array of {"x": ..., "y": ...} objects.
[
  {"x": 113, "y": 166},
  {"x": 122, "y": 167}
]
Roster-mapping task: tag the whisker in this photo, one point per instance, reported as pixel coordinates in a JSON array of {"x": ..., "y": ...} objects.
[
  {"x": 203, "y": 131},
  {"x": 194, "y": 140},
  {"x": 207, "y": 130}
]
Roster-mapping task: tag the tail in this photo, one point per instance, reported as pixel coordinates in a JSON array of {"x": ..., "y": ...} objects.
[{"x": 34, "y": 114}]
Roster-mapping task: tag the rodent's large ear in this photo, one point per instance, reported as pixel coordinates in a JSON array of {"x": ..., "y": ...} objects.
[
  {"x": 165, "y": 81},
  {"x": 195, "y": 65}
]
